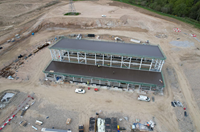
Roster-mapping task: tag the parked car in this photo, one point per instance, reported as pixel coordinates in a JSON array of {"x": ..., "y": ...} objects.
[
  {"x": 23, "y": 112},
  {"x": 172, "y": 103},
  {"x": 143, "y": 98},
  {"x": 23, "y": 123},
  {"x": 79, "y": 91},
  {"x": 179, "y": 104},
  {"x": 27, "y": 106},
  {"x": 81, "y": 128}
]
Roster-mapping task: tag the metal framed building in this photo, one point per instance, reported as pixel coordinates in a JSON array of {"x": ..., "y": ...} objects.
[
  {"x": 109, "y": 77},
  {"x": 122, "y": 65},
  {"x": 112, "y": 54}
]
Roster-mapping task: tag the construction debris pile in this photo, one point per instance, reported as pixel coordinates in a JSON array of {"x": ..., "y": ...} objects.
[
  {"x": 148, "y": 126},
  {"x": 41, "y": 47},
  {"x": 9, "y": 70}
]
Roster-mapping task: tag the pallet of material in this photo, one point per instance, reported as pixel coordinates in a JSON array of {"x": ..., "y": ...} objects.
[
  {"x": 35, "y": 51},
  {"x": 43, "y": 46},
  {"x": 6, "y": 73}
]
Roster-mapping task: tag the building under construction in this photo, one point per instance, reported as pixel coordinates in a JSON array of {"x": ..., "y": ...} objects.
[{"x": 107, "y": 64}]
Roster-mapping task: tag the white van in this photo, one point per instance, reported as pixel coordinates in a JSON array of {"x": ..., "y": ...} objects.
[
  {"x": 38, "y": 122},
  {"x": 143, "y": 98}
]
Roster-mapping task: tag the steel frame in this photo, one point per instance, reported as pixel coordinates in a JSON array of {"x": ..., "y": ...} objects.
[{"x": 123, "y": 62}]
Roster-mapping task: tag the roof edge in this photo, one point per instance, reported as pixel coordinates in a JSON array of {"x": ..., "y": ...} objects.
[
  {"x": 162, "y": 52},
  {"x": 88, "y": 51},
  {"x": 152, "y": 57},
  {"x": 131, "y": 82}
]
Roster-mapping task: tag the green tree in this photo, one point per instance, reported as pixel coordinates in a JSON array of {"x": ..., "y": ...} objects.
[
  {"x": 189, "y": 3},
  {"x": 172, "y": 2},
  {"x": 193, "y": 12},
  {"x": 198, "y": 15},
  {"x": 143, "y": 3},
  {"x": 180, "y": 10},
  {"x": 158, "y": 8},
  {"x": 167, "y": 8},
  {"x": 153, "y": 5},
  {"x": 161, "y": 2}
]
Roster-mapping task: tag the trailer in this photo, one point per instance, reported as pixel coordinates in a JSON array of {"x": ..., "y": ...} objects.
[
  {"x": 92, "y": 124},
  {"x": 54, "y": 130}
]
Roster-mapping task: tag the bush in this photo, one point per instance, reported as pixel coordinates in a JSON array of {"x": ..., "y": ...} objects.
[{"x": 72, "y": 13}]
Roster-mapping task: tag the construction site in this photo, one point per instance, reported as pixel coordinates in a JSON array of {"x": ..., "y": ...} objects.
[
  {"x": 90, "y": 63},
  {"x": 96, "y": 66}
]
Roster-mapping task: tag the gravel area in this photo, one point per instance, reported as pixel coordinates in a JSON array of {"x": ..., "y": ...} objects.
[
  {"x": 185, "y": 123},
  {"x": 40, "y": 111},
  {"x": 185, "y": 44},
  {"x": 191, "y": 70}
]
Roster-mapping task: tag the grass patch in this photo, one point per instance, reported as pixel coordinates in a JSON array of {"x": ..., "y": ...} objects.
[
  {"x": 72, "y": 13},
  {"x": 183, "y": 19}
]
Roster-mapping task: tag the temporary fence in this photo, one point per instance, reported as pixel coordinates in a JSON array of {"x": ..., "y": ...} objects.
[{"x": 19, "y": 107}]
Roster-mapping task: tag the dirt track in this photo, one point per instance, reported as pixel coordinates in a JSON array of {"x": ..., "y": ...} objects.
[{"x": 121, "y": 20}]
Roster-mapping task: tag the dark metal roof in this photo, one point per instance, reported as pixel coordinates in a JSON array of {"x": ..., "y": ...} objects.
[
  {"x": 129, "y": 49},
  {"x": 106, "y": 72}
]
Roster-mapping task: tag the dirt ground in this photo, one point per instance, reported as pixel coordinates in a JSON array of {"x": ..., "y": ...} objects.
[{"x": 59, "y": 101}]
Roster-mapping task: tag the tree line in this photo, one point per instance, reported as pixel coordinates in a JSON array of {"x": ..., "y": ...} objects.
[{"x": 181, "y": 8}]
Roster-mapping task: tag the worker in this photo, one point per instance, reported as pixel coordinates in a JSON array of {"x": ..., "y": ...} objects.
[
  {"x": 88, "y": 82},
  {"x": 98, "y": 66}
]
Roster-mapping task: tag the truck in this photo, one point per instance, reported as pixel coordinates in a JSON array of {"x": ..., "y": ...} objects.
[
  {"x": 92, "y": 124},
  {"x": 54, "y": 130}
]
